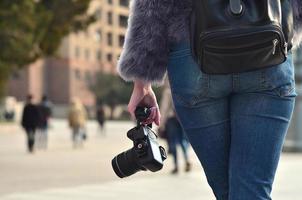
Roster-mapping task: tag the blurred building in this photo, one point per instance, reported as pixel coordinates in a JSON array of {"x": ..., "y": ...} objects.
[{"x": 81, "y": 56}]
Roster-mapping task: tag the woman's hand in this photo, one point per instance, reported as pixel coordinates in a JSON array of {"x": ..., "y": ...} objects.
[{"x": 143, "y": 95}]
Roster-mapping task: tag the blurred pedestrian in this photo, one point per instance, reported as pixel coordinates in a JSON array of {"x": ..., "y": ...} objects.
[
  {"x": 45, "y": 112},
  {"x": 100, "y": 117},
  {"x": 29, "y": 122},
  {"x": 171, "y": 130},
  {"x": 9, "y": 109},
  {"x": 77, "y": 121},
  {"x": 175, "y": 137}
]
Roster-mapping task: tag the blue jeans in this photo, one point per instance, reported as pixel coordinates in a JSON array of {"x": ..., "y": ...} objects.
[{"x": 236, "y": 123}]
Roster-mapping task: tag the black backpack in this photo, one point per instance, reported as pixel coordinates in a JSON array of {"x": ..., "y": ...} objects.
[{"x": 233, "y": 36}]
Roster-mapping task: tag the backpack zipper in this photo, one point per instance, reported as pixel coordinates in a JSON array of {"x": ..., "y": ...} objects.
[
  {"x": 213, "y": 34},
  {"x": 241, "y": 49},
  {"x": 275, "y": 43}
]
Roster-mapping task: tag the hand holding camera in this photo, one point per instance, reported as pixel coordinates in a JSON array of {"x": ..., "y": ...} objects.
[
  {"x": 146, "y": 154},
  {"x": 143, "y": 94}
]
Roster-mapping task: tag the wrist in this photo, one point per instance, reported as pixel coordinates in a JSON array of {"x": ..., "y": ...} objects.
[{"x": 142, "y": 85}]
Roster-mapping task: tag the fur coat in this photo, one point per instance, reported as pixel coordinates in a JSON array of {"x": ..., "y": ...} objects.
[{"x": 153, "y": 25}]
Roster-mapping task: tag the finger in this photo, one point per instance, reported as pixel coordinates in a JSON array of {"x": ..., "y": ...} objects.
[
  {"x": 153, "y": 113},
  {"x": 151, "y": 117},
  {"x": 157, "y": 117},
  {"x": 148, "y": 121},
  {"x": 131, "y": 111}
]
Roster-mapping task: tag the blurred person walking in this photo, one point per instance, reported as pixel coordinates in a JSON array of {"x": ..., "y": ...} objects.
[
  {"x": 45, "y": 112},
  {"x": 175, "y": 137},
  {"x": 29, "y": 122},
  {"x": 77, "y": 121},
  {"x": 171, "y": 130},
  {"x": 100, "y": 117},
  {"x": 9, "y": 109}
]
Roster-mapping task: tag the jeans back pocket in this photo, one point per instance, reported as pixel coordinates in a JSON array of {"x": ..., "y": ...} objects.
[
  {"x": 188, "y": 84},
  {"x": 280, "y": 79}
]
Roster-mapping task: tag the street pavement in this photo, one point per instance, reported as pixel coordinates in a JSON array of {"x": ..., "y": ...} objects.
[{"x": 63, "y": 173}]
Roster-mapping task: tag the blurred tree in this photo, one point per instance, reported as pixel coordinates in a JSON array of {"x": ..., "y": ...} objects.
[
  {"x": 33, "y": 29},
  {"x": 110, "y": 89}
]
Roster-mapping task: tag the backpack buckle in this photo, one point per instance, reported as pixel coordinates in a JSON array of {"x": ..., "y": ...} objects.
[{"x": 236, "y": 7}]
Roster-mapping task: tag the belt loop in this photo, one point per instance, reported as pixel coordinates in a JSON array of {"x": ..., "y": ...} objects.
[{"x": 235, "y": 81}]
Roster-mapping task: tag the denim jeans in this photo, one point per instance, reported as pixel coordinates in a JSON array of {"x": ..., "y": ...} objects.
[{"x": 236, "y": 123}]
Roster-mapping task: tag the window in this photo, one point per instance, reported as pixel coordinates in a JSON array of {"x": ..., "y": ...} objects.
[
  {"x": 77, "y": 52},
  {"x": 121, "y": 40},
  {"x": 109, "y": 39},
  {"x": 87, "y": 54},
  {"x": 16, "y": 75},
  {"x": 109, "y": 18},
  {"x": 77, "y": 74},
  {"x": 98, "y": 35},
  {"x": 98, "y": 14},
  {"x": 88, "y": 78},
  {"x": 123, "y": 20},
  {"x": 98, "y": 55},
  {"x": 124, "y": 3},
  {"x": 109, "y": 57}
]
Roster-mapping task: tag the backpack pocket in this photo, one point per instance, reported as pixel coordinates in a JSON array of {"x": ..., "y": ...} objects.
[{"x": 243, "y": 50}]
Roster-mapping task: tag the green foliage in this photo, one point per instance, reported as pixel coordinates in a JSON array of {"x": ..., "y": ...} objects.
[
  {"x": 112, "y": 90},
  {"x": 31, "y": 29}
]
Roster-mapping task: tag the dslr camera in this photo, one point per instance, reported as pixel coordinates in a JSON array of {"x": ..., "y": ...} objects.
[{"x": 146, "y": 154}]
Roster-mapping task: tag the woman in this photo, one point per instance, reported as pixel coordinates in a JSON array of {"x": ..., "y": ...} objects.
[
  {"x": 77, "y": 120},
  {"x": 236, "y": 123}
]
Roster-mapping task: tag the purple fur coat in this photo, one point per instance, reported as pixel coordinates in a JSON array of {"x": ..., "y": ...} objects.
[{"x": 153, "y": 25}]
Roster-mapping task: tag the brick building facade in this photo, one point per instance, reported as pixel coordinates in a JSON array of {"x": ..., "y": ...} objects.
[{"x": 81, "y": 56}]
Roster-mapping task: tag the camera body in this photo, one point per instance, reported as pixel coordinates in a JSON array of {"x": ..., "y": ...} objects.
[
  {"x": 147, "y": 150},
  {"x": 146, "y": 154}
]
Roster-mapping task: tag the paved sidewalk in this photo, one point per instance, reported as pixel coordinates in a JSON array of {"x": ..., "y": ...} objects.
[
  {"x": 62, "y": 173},
  {"x": 155, "y": 187},
  {"x": 149, "y": 186}
]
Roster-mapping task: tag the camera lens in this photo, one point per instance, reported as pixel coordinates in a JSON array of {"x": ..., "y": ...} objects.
[{"x": 125, "y": 164}]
